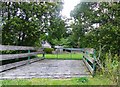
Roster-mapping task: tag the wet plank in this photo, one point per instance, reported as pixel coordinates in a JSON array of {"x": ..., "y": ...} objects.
[{"x": 49, "y": 69}]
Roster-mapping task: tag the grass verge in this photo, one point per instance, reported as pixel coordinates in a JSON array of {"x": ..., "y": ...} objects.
[{"x": 97, "y": 80}]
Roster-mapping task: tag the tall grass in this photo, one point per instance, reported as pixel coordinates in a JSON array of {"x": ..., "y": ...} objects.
[{"x": 110, "y": 67}]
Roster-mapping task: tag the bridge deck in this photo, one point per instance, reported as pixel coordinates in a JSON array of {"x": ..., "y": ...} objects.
[{"x": 48, "y": 68}]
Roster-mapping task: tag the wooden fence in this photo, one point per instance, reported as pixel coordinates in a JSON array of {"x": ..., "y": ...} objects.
[
  {"x": 89, "y": 59},
  {"x": 8, "y": 57}
]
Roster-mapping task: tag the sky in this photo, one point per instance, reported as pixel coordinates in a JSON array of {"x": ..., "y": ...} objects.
[{"x": 68, "y": 6}]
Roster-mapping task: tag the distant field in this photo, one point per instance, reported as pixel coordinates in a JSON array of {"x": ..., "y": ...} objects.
[{"x": 63, "y": 56}]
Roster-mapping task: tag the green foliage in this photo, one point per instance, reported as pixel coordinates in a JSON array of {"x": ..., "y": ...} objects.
[
  {"x": 111, "y": 67},
  {"x": 57, "y": 30},
  {"x": 48, "y": 50},
  {"x": 62, "y": 42},
  {"x": 83, "y": 80},
  {"x": 107, "y": 35},
  {"x": 85, "y": 35},
  {"x": 19, "y": 32},
  {"x": 26, "y": 23}
]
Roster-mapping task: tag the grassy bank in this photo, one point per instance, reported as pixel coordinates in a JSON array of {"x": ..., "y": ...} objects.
[
  {"x": 63, "y": 56},
  {"x": 98, "y": 80}
]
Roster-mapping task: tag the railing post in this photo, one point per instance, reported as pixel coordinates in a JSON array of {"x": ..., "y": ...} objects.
[
  {"x": 83, "y": 51},
  {"x": 43, "y": 53},
  {"x": 94, "y": 64},
  {"x": 86, "y": 54},
  {"x": 71, "y": 53},
  {"x": 94, "y": 68},
  {"x": 57, "y": 53},
  {"x": 28, "y": 57}
]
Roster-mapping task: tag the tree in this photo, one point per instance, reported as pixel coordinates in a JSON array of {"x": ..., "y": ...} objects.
[
  {"x": 26, "y": 23},
  {"x": 107, "y": 15}
]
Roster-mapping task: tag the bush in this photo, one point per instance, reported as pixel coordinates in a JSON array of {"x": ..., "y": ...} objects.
[
  {"x": 48, "y": 50},
  {"x": 110, "y": 67}
]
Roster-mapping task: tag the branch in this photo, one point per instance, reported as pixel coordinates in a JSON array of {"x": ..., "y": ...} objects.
[{"x": 98, "y": 58}]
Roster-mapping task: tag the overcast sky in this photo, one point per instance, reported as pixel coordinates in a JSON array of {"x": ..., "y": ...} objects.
[{"x": 68, "y": 6}]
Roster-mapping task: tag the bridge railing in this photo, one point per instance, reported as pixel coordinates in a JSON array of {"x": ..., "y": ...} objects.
[
  {"x": 30, "y": 51},
  {"x": 89, "y": 59}
]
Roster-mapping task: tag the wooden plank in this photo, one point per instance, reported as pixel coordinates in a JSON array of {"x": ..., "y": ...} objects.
[
  {"x": 7, "y": 47},
  {"x": 88, "y": 66},
  {"x": 35, "y": 59},
  {"x": 89, "y": 58},
  {"x": 15, "y": 56},
  {"x": 16, "y": 64}
]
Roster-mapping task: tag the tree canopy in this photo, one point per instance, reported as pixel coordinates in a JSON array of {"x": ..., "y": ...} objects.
[
  {"x": 26, "y": 23},
  {"x": 97, "y": 24}
]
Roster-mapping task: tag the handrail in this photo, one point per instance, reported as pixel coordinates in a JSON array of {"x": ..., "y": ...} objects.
[
  {"x": 15, "y": 56},
  {"x": 9, "y": 47},
  {"x": 90, "y": 61},
  {"x": 6, "y": 57}
]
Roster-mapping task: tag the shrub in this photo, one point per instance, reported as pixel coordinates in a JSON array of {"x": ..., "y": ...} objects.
[
  {"x": 82, "y": 79},
  {"x": 48, "y": 50},
  {"x": 110, "y": 67}
]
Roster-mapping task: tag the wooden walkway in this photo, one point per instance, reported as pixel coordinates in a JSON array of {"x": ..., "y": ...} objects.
[{"x": 48, "y": 68}]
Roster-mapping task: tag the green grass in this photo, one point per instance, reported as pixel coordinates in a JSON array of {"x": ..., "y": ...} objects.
[
  {"x": 98, "y": 80},
  {"x": 63, "y": 56}
]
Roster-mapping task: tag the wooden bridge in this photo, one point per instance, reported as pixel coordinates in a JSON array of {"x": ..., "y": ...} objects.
[{"x": 24, "y": 65}]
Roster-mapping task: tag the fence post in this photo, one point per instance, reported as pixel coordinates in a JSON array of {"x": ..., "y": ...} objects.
[
  {"x": 43, "y": 53},
  {"x": 83, "y": 52},
  {"x": 94, "y": 64},
  {"x": 86, "y": 53},
  {"x": 57, "y": 53},
  {"x": 71, "y": 53},
  {"x": 28, "y": 57}
]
